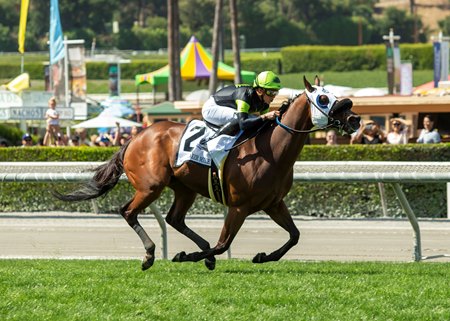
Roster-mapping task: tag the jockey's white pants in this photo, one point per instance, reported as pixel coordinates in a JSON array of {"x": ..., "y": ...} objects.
[{"x": 218, "y": 115}]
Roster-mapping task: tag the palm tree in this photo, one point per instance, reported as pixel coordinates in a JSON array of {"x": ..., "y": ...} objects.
[
  {"x": 215, "y": 46},
  {"x": 173, "y": 44},
  {"x": 235, "y": 42}
]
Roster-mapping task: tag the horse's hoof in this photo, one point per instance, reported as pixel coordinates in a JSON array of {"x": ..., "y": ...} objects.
[
  {"x": 179, "y": 257},
  {"x": 210, "y": 263},
  {"x": 259, "y": 258},
  {"x": 147, "y": 262}
]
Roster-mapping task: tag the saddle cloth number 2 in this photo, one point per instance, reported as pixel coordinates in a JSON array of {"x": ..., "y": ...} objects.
[{"x": 192, "y": 136}]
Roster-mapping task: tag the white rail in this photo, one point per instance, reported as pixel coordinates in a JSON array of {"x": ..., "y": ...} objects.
[{"x": 345, "y": 172}]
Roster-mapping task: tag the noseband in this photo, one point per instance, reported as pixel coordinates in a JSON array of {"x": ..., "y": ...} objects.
[{"x": 331, "y": 121}]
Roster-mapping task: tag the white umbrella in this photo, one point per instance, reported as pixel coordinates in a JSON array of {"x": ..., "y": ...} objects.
[
  {"x": 370, "y": 92},
  {"x": 116, "y": 106},
  {"x": 106, "y": 122},
  {"x": 201, "y": 95}
]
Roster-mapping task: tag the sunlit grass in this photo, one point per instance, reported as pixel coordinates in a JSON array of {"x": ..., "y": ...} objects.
[{"x": 236, "y": 290}]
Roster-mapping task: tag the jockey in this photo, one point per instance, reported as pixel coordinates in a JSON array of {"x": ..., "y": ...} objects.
[{"x": 232, "y": 108}]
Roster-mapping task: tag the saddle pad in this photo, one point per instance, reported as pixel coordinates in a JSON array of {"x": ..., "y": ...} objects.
[{"x": 188, "y": 149}]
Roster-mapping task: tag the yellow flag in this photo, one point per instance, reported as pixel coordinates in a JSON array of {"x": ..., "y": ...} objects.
[{"x": 23, "y": 24}]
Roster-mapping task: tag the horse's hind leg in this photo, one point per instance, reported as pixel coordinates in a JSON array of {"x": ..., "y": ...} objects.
[
  {"x": 130, "y": 212},
  {"x": 184, "y": 198},
  {"x": 280, "y": 214}
]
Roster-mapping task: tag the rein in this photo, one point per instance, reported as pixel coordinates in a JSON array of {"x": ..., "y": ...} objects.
[{"x": 331, "y": 120}]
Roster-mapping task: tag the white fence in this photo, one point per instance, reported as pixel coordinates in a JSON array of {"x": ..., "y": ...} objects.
[{"x": 393, "y": 173}]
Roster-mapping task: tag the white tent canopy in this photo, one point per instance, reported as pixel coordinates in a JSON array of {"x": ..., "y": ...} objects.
[{"x": 106, "y": 122}]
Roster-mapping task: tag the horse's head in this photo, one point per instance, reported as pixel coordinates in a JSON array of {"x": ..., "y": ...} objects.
[{"x": 327, "y": 110}]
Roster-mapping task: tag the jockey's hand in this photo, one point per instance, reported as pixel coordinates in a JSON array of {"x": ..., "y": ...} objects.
[{"x": 271, "y": 115}]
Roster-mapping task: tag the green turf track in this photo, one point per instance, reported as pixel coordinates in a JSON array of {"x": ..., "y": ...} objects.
[{"x": 236, "y": 290}]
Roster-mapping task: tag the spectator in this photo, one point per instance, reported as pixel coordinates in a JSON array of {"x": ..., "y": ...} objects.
[
  {"x": 82, "y": 133},
  {"x": 134, "y": 131},
  {"x": 3, "y": 143},
  {"x": 429, "y": 134},
  {"x": 399, "y": 132},
  {"x": 331, "y": 137},
  {"x": 52, "y": 117},
  {"x": 27, "y": 140},
  {"x": 369, "y": 133},
  {"x": 124, "y": 138},
  {"x": 74, "y": 141},
  {"x": 103, "y": 141}
]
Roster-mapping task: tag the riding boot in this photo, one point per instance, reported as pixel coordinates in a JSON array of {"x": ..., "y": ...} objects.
[{"x": 231, "y": 128}]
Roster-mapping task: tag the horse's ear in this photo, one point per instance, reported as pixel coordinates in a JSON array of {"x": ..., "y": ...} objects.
[
  {"x": 316, "y": 81},
  {"x": 308, "y": 86}
]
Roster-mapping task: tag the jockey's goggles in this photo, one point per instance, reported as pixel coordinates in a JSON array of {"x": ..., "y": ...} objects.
[{"x": 271, "y": 92}]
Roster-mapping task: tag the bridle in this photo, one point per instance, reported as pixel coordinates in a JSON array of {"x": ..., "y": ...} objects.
[
  {"x": 285, "y": 106},
  {"x": 331, "y": 121}
]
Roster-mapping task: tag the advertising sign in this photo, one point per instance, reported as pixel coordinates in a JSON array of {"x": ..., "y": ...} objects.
[
  {"x": 437, "y": 63},
  {"x": 406, "y": 83},
  {"x": 113, "y": 79},
  {"x": 78, "y": 73},
  {"x": 397, "y": 68},
  {"x": 390, "y": 67}
]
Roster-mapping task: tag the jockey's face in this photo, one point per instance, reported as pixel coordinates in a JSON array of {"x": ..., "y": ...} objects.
[{"x": 263, "y": 95}]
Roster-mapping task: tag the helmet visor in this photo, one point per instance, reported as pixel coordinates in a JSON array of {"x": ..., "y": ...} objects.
[{"x": 271, "y": 92}]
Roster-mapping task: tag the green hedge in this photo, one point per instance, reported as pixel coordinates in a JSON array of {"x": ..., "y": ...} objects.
[
  {"x": 314, "y": 199},
  {"x": 293, "y": 59},
  {"x": 99, "y": 70},
  {"x": 346, "y": 58}
]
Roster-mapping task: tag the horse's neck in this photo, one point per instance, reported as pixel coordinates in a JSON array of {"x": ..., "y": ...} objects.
[{"x": 287, "y": 146}]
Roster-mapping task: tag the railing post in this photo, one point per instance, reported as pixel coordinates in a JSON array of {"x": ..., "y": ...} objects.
[
  {"x": 448, "y": 200},
  {"x": 162, "y": 225},
  {"x": 383, "y": 198},
  {"x": 417, "y": 255}
]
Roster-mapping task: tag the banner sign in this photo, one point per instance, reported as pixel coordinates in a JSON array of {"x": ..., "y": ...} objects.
[
  {"x": 113, "y": 71},
  {"x": 397, "y": 68},
  {"x": 406, "y": 83},
  {"x": 390, "y": 67},
  {"x": 9, "y": 99},
  {"x": 78, "y": 73},
  {"x": 444, "y": 60},
  {"x": 78, "y": 81},
  {"x": 437, "y": 63},
  {"x": 32, "y": 113},
  {"x": 59, "y": 82},
  {"x": 31, "y": 106}
]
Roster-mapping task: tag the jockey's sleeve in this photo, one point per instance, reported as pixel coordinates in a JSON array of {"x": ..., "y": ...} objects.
[
  {"x": 248, "y": 123},
  {"x": 265, "y": 111},
  {"x": 244, "y": 121}
]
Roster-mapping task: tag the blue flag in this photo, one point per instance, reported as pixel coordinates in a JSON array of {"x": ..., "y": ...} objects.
[{"x": 57, "y": 51}]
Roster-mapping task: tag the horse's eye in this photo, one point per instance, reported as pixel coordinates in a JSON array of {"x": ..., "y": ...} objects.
[{"x": 324, "y": 100}]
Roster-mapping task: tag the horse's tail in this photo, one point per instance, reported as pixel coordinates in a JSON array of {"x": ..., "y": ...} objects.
[{"x": 106, "y": 177}]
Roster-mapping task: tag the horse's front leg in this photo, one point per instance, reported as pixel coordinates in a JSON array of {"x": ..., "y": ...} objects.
[
  {"x": 184, "y": 198},
  {"x": 280, "y": 214},
  {"x": 231, "y": 226}
]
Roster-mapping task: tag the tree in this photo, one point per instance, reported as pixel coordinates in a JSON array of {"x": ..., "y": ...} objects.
[
  {"x": 235, "y": 42},
  {"x": 215, "y": 46},
  {"x": 174, "y": 86},
  {"x": 403, "y": 24}
]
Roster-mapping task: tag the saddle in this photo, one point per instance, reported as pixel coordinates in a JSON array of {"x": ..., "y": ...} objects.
[{"x": 214, "y": 156}]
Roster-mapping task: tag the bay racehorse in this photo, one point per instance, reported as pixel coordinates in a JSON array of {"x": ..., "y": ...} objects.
[{"x": 257, "y": 174}]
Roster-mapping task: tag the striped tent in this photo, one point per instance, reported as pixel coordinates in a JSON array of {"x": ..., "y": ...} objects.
[{"x": 196, "y": 64}]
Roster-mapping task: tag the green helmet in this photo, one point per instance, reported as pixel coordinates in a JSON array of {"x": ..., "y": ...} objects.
[{"x": 267, "y": 80}]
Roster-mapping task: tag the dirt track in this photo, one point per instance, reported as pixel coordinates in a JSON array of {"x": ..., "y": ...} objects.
[{"x": 75, "y": 235}]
